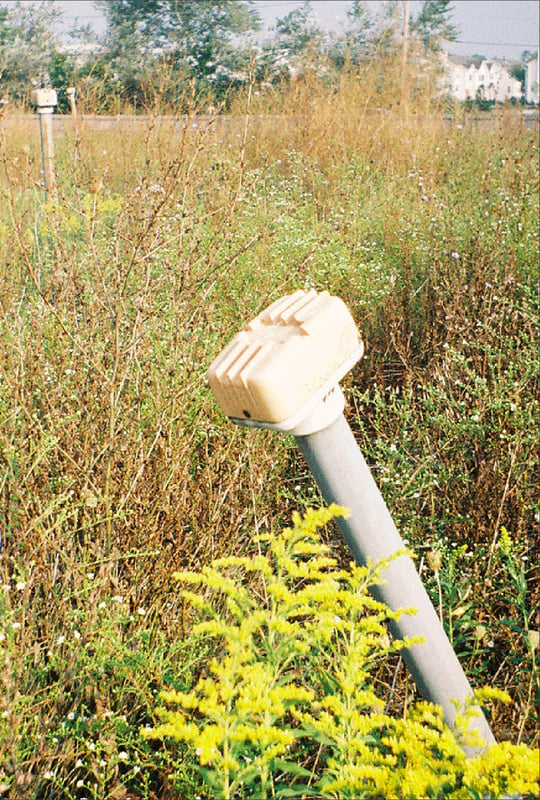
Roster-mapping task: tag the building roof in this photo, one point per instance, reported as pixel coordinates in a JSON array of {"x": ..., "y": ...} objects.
[{"x": 476, "y": 61}]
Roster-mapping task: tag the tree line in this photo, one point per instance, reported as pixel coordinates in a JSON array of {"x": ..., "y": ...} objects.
[{"x": 199, "y": 48}]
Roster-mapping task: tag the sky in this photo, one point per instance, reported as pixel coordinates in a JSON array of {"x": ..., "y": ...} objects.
[{"x": 495, "y": 28}]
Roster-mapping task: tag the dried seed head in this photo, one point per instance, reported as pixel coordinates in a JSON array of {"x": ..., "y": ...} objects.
[{"x": 434, "y": 559}]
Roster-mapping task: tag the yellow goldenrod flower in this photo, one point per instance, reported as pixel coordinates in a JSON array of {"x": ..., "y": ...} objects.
[{"x": 292, "y": 671}]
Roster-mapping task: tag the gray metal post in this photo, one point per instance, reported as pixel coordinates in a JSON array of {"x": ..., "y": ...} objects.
[
  {"x": 47, "y": 151},
  {"x": 282, "y": 372},
  {"x": 343, "y": 477},
  {"x": 46, "y": 101}
]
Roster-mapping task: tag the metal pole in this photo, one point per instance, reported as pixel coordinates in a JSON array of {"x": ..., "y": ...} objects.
[
  {"x": 46, "y": 101},
  {"x": 344, "y": 478},
  {"x": 282, "y": 372},
  {"x": 47, "y": 150}
]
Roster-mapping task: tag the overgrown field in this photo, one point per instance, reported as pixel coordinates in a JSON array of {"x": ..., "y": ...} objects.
[{"x": 116, "y": 466}]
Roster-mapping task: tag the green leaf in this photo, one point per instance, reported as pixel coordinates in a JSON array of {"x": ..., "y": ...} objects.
[
  {"x": 317, "y": 735},
  {"x": 296, "y": 791},
  {"x": 510, "y": 623},
  {"x": 292, "y": 768}
]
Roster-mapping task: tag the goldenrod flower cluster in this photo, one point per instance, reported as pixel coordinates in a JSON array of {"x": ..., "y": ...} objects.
[
  {"x": 93, "y": 209},
  {"x": 287, "y": 707}
]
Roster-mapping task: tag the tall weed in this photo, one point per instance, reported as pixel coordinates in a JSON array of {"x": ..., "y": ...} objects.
[{"x": 168, "y": 235}]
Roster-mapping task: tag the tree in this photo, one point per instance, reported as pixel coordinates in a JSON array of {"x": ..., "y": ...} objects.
[
  {"x": 433, "y": 24},
  {"x": 297, "y": 40},
  {"x": 386, "y": 32},
  {"x": 360, "y": 18},
  {"x": 4, "y": 25},
  {"x": 207, "y": 38},
  {"x": 356, "y": 44},
  {"x": 518, "y": 72},
  {"x": 198, "y": 38},
  {"x": 27, "y": 43},
  {"x": 358, "y": 39},
  {"x": 61, "y": 72},
  {"x": 298, "y": 30},
  {"x": 477, "y": 59},
  {"x": 529, "y": 55}
]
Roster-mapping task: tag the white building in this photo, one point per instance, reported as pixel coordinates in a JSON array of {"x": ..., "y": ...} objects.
[
  {"x": 531, "y": 82},
  {"x": 488, "y": 81}
]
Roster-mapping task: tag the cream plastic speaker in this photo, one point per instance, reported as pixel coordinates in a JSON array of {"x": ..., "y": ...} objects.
[{"x": 286, "y": 361}]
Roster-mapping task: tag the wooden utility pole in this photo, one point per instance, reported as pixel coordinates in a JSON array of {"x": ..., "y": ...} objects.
[
  {"x": 72, "y": 102},
  {"x": 405, "y": 32},
  {"x": 404, "y": 54}
]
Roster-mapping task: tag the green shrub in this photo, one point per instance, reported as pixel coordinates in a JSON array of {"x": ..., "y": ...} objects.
[
  {"x": 288, "y": 707},
  {"x": 72, "y": 703}
]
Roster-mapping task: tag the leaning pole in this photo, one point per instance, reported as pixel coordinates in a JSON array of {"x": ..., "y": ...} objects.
[{"x": 282, "y": 372}]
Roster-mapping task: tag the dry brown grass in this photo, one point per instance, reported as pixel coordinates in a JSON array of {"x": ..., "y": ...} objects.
[{"x": 168, "y": 236}]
